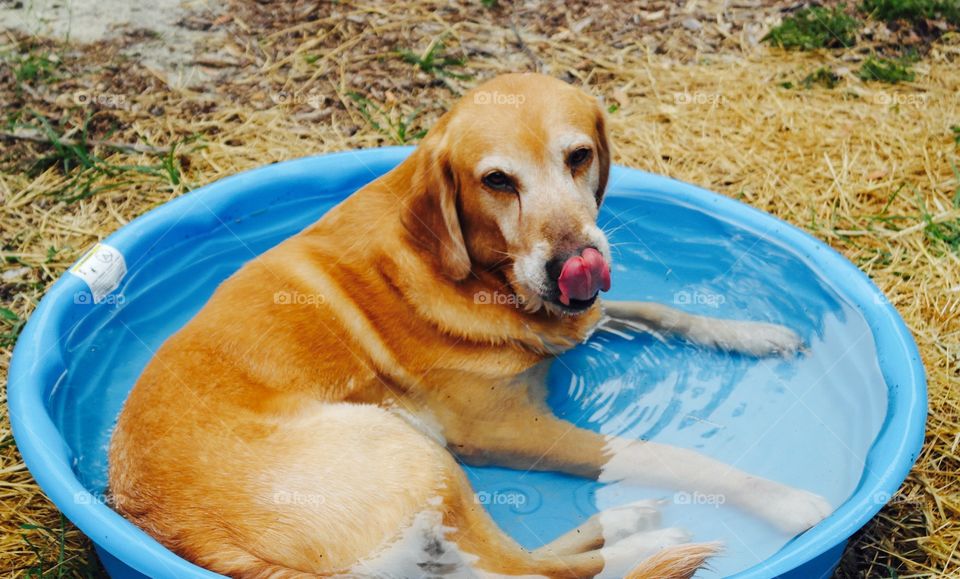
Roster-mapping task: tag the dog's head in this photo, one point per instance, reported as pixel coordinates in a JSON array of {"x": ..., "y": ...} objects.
[{"x": 512, "y": 179}]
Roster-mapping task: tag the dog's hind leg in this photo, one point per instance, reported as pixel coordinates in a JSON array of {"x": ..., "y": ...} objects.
[
  {"x": 354, "y": 490},
  {"x": 606, "y": 528},
  {"x": 663, "y": 553}
]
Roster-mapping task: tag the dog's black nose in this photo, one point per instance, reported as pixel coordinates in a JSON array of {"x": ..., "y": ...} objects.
[{"x": 555, "y": 268}]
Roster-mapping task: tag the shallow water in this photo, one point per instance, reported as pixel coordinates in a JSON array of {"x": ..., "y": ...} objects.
[{"x": 807, "y": 422}]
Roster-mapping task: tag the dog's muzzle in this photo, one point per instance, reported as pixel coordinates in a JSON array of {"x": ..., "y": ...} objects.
[{"x": 579, "y": 278}]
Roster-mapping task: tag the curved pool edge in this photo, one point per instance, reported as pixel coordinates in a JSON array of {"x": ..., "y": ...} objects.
[{"x": 47, "y": 457}]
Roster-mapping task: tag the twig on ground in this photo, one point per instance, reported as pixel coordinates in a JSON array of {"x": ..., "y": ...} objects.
[{"x": 38, "y": 137}]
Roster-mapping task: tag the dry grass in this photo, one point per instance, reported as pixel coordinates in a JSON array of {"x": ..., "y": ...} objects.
[{"x": 869, "y": 168}]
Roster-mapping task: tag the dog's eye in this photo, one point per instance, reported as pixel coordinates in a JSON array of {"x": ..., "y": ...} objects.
[
  {"x": 579, "y": 157},
  {"x": 499, "y": 181}
]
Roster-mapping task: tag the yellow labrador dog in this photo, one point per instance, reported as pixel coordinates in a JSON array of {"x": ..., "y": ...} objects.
[{"x": 320, "y": 436}]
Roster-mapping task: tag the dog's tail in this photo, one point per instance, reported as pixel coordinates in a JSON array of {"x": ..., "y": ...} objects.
[{"x": 677, "y": 562}]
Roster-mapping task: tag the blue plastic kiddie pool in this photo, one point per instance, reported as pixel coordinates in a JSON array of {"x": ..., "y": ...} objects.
[{"x": 845, "y": 419}]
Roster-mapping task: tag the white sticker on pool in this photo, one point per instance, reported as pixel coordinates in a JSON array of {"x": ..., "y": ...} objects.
[{"x": 101, "y": 268}]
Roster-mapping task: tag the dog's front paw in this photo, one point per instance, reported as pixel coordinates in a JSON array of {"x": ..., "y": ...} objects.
[
  {"x": 790, "y": 509},
  {"x": 626, "y": 520},
  {"x": 753, "y": 338},
  {"x": 770, "y": 339}
]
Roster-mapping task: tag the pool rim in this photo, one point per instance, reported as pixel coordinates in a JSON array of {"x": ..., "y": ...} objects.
[{"x": 47, "y": 454}]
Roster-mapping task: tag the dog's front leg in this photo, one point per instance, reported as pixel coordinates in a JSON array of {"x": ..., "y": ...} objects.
[
  {"x": 506, "y": 422},
  {"x": 753, "y": 338},
  {"x": 526, "y": 438},
  {"x": 791, "y": 509}
]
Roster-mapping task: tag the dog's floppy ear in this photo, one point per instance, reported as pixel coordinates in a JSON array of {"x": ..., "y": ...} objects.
[
  {"x": 431, "y": 214},
  {"x": 603, "y": 154}
]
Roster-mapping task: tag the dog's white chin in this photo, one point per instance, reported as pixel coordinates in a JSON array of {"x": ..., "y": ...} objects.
[
  {"x": 526, "y": 284},
  {"x": 555, "y": 310},
  {"x": 532, "y": 302}
]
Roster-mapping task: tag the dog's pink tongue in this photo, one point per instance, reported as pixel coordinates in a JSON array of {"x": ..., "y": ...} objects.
[{"x": 583, "y": 276}]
